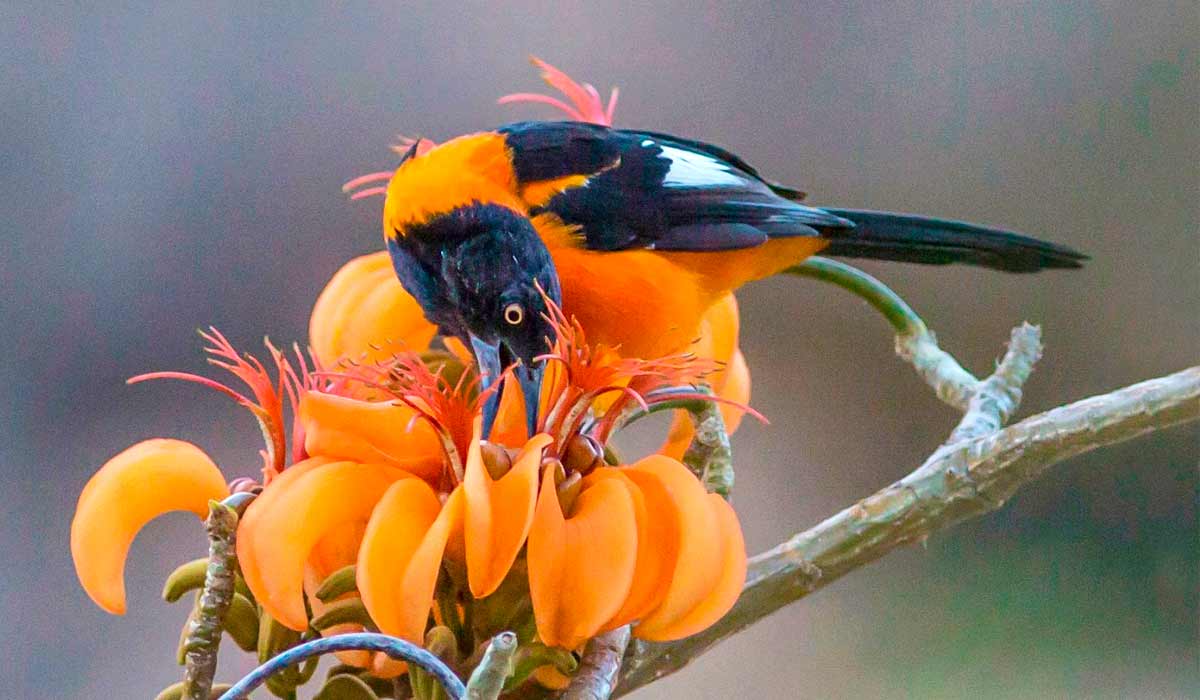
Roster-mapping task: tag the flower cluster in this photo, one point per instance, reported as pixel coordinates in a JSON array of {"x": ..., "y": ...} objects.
[{"x": 380, "y": 507}]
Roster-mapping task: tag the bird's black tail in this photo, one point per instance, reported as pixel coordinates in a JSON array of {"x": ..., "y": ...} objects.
[{"x": 887, "y": 236}]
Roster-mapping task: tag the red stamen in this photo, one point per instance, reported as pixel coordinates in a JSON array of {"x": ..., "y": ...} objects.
[
  {"x": 364, "y": 179},
  {"x": 612, "y": 107},
  {"x": 518, "y": 97},
  {"x": 194, "y": 378},
  {"x": 584, "y": 100},
  {"x": 369, "y": 192}
]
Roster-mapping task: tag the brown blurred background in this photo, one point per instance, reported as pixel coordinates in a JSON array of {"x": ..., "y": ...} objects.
[{"x": 172, "y": 166}]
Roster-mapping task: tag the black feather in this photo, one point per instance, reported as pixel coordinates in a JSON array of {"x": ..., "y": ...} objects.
[
  {"x": 918, "y": 239},
  {"x": 653, "y": 190},
  {"x": 636, "y": 199}
]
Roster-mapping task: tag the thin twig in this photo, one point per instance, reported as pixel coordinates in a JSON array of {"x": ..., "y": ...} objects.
[
  {"x": 996, "y": 398},
  {"x": 599, "y": 669},
  {"x": 967, "y": 480},
  {"x": 487, "y": 680},
  {"x": 709, "y": 455},
  {"x": 204, "y": 627}
]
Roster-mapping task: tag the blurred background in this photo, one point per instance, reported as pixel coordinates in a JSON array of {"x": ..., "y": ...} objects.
[{"x": 167, "y": 167}]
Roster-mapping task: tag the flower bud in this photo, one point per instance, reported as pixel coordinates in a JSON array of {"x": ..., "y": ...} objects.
[
  {"x": 583, "y": 454},
  {"x": 496, "y": 459}
]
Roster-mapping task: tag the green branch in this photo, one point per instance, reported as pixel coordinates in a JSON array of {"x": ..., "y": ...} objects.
[
  {"x": 914, "y": 341},
  {"x": 204, "y": 628},
  {"x": 709, "y": 455},
  {"x": 487, "y": 680}
]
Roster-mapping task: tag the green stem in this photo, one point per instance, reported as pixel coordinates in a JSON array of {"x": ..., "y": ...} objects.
[
  {"x": 204, "y": 629},
  {"x": 709, "y": 455},
  {"x": 487, "y": 680},
  {"x": 915, "y": 343},
  {"x": 898, "y": 313}
]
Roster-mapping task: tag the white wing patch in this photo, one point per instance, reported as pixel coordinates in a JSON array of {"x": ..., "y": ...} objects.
[{"x": 691, "y": 169}]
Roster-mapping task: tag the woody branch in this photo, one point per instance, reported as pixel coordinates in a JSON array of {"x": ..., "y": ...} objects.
[
  {"x": 973, "y": 472},
  {"x": 964, "y": 479}
]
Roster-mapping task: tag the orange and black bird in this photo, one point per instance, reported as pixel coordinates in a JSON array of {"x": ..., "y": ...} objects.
[{"x": 634, "y": 233}]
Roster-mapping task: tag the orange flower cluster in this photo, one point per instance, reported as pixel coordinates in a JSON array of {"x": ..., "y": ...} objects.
[
  {"x": 383, "y": 469},
  {"x": 382, "y": 484}
]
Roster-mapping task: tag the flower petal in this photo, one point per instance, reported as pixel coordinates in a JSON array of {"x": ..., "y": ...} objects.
[
  {"x": 282, "y": 532},
  {"x": 248, "y": 527},
  {"x": 728, "y": 586},
  {"x": 697, "y": 568},
  {"x": 722, "y": 325},
  {"x": 401, "y": 556},
  {"x": 658, "y": 542},
  {"x": 499, "y": 513},
  {"x": 718, "y": 341},
  {"x": 736, "y": 390},
  {"x": 131, "y": 489},
  {"x": 365, "y": 315},
  {"x": 581, "y": 567},
  {"x": 367, "y": 431}
]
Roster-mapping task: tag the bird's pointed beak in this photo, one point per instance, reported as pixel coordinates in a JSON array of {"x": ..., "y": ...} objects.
[
  {"x": 530, "y": 379},
  {"x": 487, "y": 359},
  {"x": 491, "y": 368}
]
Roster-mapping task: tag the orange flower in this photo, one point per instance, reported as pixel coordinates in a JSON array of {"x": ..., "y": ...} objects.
[
  {"x": 643, "y": 542},
  {"x": 151, "y": 478},
  {"x": 364, "y": 315},
  {"x": 388, "y": 472},
  {"x": 158, "y": 476}
]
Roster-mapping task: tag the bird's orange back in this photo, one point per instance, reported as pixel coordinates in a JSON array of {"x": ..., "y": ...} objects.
[{"x": 648, "y": 302}]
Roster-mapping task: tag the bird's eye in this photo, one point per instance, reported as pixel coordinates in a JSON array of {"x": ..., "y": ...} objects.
[{"x": 514, "y": 314}]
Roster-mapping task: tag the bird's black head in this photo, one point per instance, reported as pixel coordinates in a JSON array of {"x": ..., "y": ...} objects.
[
  {"x": 496, "y": 278},
  {"x": 482, "y": 273}
]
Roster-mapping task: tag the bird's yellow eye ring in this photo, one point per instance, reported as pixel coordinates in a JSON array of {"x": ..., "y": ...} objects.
[{"x": 514, "y": 314}]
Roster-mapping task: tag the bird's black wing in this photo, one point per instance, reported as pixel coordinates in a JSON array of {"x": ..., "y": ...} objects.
[{"x": 651, "y": 190}]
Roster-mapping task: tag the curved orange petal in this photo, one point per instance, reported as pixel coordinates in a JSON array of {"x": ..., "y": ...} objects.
[
  {"x": 367, "y": 431},
  {"x": 581, "y": 567},
  {"x": 248, "y": 528},
  {"x": 697, "y": 567},
  {"x": 401, "y": 556},
  {"x": 510, "y": 428},
  {"x": 727, "y": 587},
  {"x": 456, "y": 348},
  {"x": 337, "y": 549},
  {"x": 499, "y": 512},
  {"x": 721, "y": 326},
  {"x": 286, "y": 528},
  {"x": 718, "y": 341},
  {"x": 658, "y": 542},
  {"x": 131, "y": 489},
  {"x": 365, "y": 315}
]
